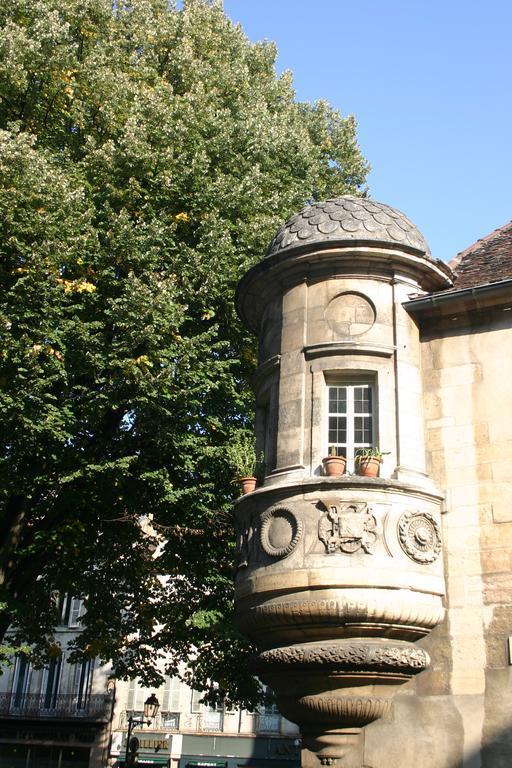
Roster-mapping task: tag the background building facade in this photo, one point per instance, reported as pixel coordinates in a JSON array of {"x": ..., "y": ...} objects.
[
  {"x": 58, "y": 716},
  {"x": 189, "y": 734}
]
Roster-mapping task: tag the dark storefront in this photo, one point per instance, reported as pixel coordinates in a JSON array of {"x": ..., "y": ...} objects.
[
  {"x": 34, "y": 745},
  {"x": 239, "y": 752}
]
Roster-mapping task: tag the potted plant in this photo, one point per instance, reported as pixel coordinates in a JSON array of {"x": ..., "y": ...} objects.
[
  {"x": 247, "y": 467},
  {"x": 368, "y": 461},
  {"x": 334, "y": 465}
]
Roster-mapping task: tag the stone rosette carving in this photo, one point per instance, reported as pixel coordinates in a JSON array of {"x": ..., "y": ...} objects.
[
  {"x": 280, "y": 531},
  {"x": 347, "y": 528},
  {"x": 355, "y": 655},
  {"x": 419, "y": 534}
]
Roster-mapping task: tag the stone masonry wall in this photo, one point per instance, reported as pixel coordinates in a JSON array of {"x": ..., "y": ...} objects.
[{"x": 458, "y": 714}]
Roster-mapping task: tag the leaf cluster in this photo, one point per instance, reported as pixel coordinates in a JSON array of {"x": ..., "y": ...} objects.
[{"x": 147, "y": 155}]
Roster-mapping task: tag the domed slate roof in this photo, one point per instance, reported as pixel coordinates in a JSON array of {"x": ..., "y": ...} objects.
[{"x": 348, "y": 220}]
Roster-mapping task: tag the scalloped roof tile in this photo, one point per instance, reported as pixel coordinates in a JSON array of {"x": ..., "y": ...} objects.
[
  {"x": 489, "y": 260},
  {"x": 348, "y": 219}
]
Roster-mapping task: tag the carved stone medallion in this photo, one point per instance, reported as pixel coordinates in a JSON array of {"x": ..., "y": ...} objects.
[
  {"x": 280, "y": 531},
  {"x": 347, "y": 528},
  {"x": 420, "y": 536},
  {"x": 350, "y": 314}
]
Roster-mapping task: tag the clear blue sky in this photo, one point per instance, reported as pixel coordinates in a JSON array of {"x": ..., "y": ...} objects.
[{"x": 430, "y": 85}]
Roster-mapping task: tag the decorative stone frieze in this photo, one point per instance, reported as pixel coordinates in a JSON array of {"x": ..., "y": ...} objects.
[{"x": 349, "y": 656}]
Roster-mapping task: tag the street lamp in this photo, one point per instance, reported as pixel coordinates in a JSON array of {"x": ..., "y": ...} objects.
[{"x": 151, "y": 707}]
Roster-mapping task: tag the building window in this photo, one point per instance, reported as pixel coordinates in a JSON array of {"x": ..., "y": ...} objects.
[
  {"x": 83, "y": 683},
  {"x": 269, "y": 719},
  {"x": 21, "y": 683},
  {"x": 71, "y": 610},
  {"x": 351, "y": 419},
  {"x": 210, "y": 716},
  {"x": 51, "y": 682}
]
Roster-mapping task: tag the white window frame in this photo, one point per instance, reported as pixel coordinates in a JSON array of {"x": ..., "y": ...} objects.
[{"x": 350, "y": 447}]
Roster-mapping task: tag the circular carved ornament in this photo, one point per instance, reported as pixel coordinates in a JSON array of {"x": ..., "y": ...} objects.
[
  {"x": 350, "y": 314},
  {"x": 420, "y": 536},
  {"x": 280, "y": 531}
]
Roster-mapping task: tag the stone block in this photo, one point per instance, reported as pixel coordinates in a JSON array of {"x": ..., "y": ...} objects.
[
  {"x": 449, "y": 436},
  {"x": 462, "y": 539},
  {"x": 446, "y": 421},
  {"x": 502, "y": 469},
  {"x": 465, "y": 562},
  {"x": 433, "y": 405},
  {"x": 492, "y": 535},
  {"x": 291, "y": 388},
  {"x": 295, "y": 299},
  {"x": 494, "y": 560},
  {"x": 498, "y": 588},
  {"x": 463, "y": 375},
  {"x": 456, "y": 591},
  {"x": 497, "y": 631},
  {"x": 290, "y": 416},
  {"x": 500, "y": 429},
  {"x": 502, "y": 503},
  {"x": 293, "y": 337}
]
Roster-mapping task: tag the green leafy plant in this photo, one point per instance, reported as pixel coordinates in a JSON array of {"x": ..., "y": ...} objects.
[
  {"x": 242, "y": 458},
  {"x": 370, "y": 453}
]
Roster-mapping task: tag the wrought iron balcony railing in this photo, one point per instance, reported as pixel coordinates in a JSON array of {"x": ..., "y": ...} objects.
[
  {"x": 212, "y": 722},
  {"x": 165, "y": 720},
  {"x": 267, "y": 723},
  {"x": 61, "y": 705}
]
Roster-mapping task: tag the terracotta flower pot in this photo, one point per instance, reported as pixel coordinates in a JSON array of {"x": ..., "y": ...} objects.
[
  {"x": 248, "y": 484},
  {"x": 368, "y": 467},
  {"x": 334, "y": 466}
]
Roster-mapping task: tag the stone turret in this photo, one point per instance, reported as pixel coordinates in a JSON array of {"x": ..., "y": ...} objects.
[{"x": 339, "y": 576}]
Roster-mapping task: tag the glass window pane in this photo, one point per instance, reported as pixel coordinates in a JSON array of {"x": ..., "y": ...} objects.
[
  {"x": 337, "y": 399},
  {"x": 337, "y": 429},
  {"x": 362, "y": 400},
  {"x": 363, "y": 429}
]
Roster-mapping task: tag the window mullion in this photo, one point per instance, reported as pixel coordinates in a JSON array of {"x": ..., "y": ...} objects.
[{"x": 350, "y": 426}]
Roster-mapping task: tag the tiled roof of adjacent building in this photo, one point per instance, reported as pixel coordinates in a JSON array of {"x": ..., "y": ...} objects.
[
  {"x": 489, "y": 260},
  {"x": 348, "y": 220}
]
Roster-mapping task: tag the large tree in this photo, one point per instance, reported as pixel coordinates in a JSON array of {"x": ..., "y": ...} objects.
[{"x": 147, "y": 155}]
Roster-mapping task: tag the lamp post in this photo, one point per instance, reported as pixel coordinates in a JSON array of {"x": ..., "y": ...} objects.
[{"x": 151, "y": 707}]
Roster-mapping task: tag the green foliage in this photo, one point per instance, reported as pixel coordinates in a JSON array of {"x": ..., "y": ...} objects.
[
  {"x": 242, "y": 458},
  {"x": 147, "y": 156},
  {"x": 370, "y": 453}
]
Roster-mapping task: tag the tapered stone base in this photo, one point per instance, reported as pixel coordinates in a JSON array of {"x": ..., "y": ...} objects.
[
  {"x": 340, "y": 747},
  {"x": 333, "y": 689}
]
